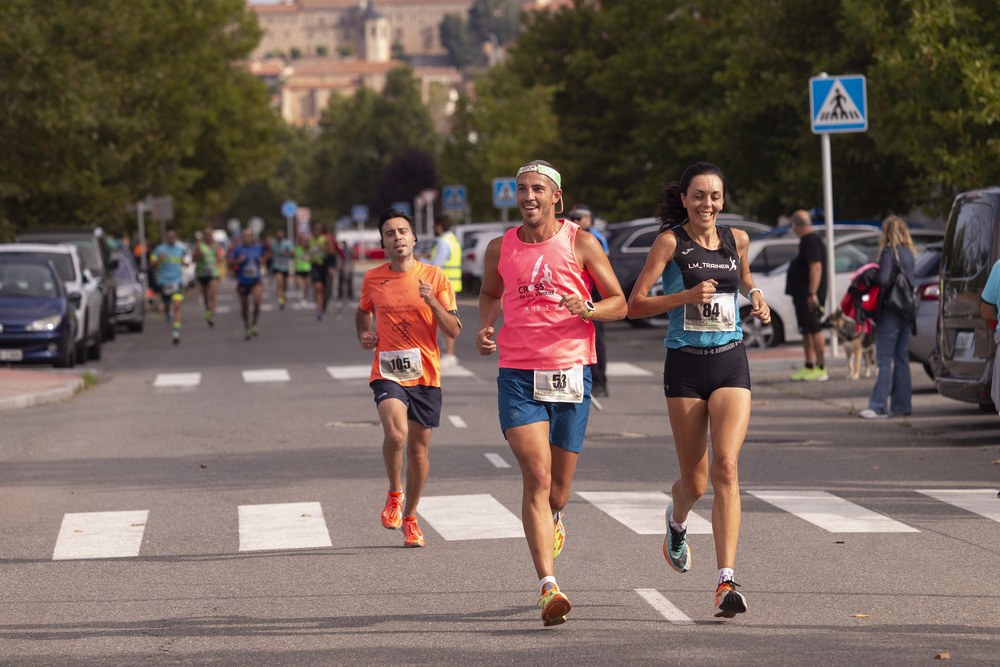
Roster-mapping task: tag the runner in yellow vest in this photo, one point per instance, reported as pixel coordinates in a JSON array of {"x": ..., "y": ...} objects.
[{"x": 447, "y": 254}]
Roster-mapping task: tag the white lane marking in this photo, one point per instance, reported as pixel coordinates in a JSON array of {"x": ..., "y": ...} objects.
[
  {"x": 472, "y": 517},
  {"x": 625, "y": 369},
  {"x": 177, "y": 380},
  {"x": 831, "y": 513},
  {"x": 266, "y": 307},
  {"x": 457, "y": 421},
  {"x": 266, "y": 375},
  {"x": 223, "y": 310},
  {"x": 282, "y": 526},
  {"x": 664, "y": 606},
  {"x": 356, "y": 372},
  {"x": 983, "y": 502},
  {"x": 642, "y": 511},
  {"x": 496, "y": 460},
  {"x": 455, "y": 371},
  {"x": 100, "y": 535}
]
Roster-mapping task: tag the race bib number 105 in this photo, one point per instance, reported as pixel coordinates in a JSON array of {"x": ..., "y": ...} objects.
[{"x": 400, "y": 365}]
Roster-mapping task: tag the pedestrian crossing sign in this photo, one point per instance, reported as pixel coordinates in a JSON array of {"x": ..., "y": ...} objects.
[
  {"x": 504, "y": 192},
  {"x": 454, "y": 198},
  {"x": 838, "y": 104}
]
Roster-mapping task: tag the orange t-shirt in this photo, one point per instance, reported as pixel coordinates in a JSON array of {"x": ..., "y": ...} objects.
[{"x": 405, "y": 325}]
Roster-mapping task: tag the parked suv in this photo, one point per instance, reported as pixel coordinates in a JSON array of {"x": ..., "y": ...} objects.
[
  {"x": 965, "y": 343},
  {"x": 96, "y": 256}
]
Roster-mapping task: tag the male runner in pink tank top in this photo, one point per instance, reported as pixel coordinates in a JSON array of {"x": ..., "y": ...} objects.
[{"x": 539, "y": 275}]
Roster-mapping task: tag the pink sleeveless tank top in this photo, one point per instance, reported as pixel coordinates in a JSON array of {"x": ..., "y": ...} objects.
[{"x": 538, "y": 333}]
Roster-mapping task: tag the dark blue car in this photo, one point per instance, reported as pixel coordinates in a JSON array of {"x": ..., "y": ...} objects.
[{"x": 37, "y": 323}]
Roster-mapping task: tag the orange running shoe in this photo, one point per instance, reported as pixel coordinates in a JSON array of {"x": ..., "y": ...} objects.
[
  {"x": 728, "y": 602},
  {"x": 412, "y": 537},
  {"x": 392, "y": 515},
  {"x": 554, "y": 605}
]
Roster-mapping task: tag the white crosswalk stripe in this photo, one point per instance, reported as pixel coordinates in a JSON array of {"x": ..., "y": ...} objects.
[
  {"x": 301, "y": 525},
  {"x": 282, "y": 526},
  {"x": 624, "y": 369},
  {"x": 472, "y": 517},
  {"x": 177, "y": 380},
  {"x": 497, "y": 460},
  {"x": 644, "y": 512},
  {"x": 355, "y": 372},
  {"x": 983, "y": 502},
  {"x": 266, "y": 375},
  {"x": 831, "y": 513},
  {"x": 666, "y": 608},
  {"x": 89, "y": 535}
]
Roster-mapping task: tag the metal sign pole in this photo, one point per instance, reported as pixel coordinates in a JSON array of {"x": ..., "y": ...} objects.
[
  {"x": 144, "y": 251},
  {"x": 831, "y": 273}
]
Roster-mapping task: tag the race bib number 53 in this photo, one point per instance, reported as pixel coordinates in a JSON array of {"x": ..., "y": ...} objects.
[
  {"x": 400, "y": 365},
  {"x": 559, "y": 386},
  {"x": 718, "y": 315}
]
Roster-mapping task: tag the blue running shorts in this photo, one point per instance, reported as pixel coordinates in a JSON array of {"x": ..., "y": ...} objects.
[{"x": 518, "y": 407}]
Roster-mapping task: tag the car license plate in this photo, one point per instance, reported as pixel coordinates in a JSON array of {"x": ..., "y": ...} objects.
[
  {"x": 964, "y": 344},
  {"x": 11, "y": 355}
]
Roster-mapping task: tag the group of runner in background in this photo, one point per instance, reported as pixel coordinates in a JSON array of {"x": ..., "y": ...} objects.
[{"x": 314, "y": 263}]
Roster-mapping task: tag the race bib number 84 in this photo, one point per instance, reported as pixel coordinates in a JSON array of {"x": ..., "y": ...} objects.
[{"x": 718, "y": 315}]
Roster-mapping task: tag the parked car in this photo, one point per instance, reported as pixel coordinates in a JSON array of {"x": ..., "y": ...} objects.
[
  {"x": 96, "y": 255},
  {"x": 965, "y": 347},
  {"x": 475, "y": 238},
  {"x": 130, "y": 305},
  {"x": 76, "y": 279},
  {"x": 927, "y": 274},
  {"x": 37, "y": 319},
  {"x": 852, "y": 250}
]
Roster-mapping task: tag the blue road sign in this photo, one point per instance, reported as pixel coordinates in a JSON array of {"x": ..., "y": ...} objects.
[
  {"x": 504, "y": 192},
  {"x": 454, "y": 198},
  {"x": 403, "y": 206},
  {"x": 838, "y": 103},
  {"x": 359, "y": 213},
  {"x": 289, "y": 208}
]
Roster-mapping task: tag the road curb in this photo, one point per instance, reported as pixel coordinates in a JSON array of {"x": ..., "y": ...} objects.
[{"x": 34, "y": 399}]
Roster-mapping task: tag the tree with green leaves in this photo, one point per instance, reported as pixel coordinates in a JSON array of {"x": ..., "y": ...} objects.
[
  {"x": 457, "y": 39},
  {"x": 360, "y": 137},
  {"x": 102, "y": 105},
  {"x": 499, "y": 18},
  {"x": 496, "y": 131}
]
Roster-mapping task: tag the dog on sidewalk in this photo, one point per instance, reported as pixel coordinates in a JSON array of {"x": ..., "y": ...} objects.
[{"x": 857, "y": 345}]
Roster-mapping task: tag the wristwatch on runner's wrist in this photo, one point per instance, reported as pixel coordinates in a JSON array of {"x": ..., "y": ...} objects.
[{"x": 589, "y": 305}]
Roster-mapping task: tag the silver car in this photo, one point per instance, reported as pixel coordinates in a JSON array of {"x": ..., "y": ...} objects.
[{"x": 130, "y": 307}]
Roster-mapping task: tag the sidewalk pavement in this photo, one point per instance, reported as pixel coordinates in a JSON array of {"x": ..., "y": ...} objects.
[{"x": 25, "y": 389}]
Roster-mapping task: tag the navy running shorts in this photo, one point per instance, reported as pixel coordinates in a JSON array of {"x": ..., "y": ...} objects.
[{"x": 423, "y": 403}]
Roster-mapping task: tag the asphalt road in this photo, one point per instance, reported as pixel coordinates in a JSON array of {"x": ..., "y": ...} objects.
[{"x": 243, "y": 518}]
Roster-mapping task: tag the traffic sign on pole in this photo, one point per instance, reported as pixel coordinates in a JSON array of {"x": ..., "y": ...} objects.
[
  {"x": 838, "y": 103},
  {"x": 454, "y": 198},
  {"x": 504, "y": 192},
  {"x": 359, "y": 214},
  {"x": 288, "y": 208}
]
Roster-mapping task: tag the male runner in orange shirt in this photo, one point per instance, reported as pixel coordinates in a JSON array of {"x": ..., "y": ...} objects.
[{"x": 412, "y": 300}]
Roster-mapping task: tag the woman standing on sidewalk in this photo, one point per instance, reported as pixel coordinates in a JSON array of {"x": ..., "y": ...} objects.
[
  {"x": 893, "y": 387},
  {"x": 706, "y": 377}
]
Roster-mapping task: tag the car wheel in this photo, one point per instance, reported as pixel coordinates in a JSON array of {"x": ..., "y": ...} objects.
[
  {"x": 135, "y": 327},
  {"x": 81, "y": 348},
  {"x": 111, "y": 331},
  {"x": 94, "y": 351},
  {"x": 68, "y": 357},
  {"x": 929, "y": 370},
  {"x": 757, "y": 334}
]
